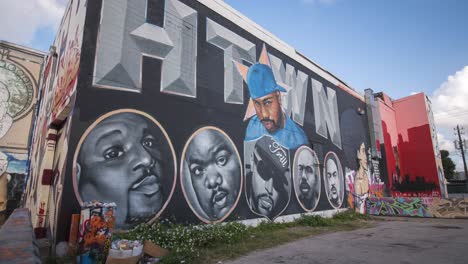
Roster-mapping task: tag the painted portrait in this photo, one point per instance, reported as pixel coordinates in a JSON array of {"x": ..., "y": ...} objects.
[
  {"x": 126, "y": 157},
  {"x": 211, "y": 174},
  {"x": 266, "y": 113},
  {"x": 268, "y": 177},
  {"x": 306, "y": 178},
  {"x": 333, "y": 180}
]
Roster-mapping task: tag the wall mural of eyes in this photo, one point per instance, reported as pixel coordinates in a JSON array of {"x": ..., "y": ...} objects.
[
  {"x": 126, "y": 157},
  {"x": 306, "y": 178},
  {"x": 333, "y": 180},
  {"x": 268, "y": 177},
  {"x": 211, "y": 174}
]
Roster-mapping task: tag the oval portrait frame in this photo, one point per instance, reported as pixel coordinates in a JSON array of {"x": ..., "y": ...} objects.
[
  {"x": 163, "y": 131},
  {"x": 182, "y": 169},
  {"x": 340, "y": 169},
  {"x": 249, "y": 204},
  {"x": 300, "y": 149}
]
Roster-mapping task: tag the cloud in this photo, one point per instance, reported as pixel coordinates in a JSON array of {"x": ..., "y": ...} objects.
[
  {"x": 21, "y": 21},
  {"x": 445, "y": 143},
  {"x": 449, "y": 101}
]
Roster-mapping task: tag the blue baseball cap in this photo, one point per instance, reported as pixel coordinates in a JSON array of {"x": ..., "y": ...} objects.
[{"x": 261, "y": 81}]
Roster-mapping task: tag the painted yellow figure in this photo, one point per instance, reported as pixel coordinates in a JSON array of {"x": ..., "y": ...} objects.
[
  {"x": 3, "y": 182},
  {"x": 361, "y": 180}
]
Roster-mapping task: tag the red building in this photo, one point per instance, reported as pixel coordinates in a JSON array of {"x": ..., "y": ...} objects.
[{"x": 410, "y": 146}]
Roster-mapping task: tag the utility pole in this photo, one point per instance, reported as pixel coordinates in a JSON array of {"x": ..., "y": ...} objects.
[{"x": 461, "y": 146}]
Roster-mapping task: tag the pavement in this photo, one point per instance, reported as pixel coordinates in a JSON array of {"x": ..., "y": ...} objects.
[{"x": 390, "y": 240}]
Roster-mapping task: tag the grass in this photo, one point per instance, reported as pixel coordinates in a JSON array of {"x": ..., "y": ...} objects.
[{"x": 220, "y": 242}]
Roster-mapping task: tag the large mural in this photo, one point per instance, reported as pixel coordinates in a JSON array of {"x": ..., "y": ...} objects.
[
  {"x": 50, "y": 137},
  {"x": 19, "y": 75},
  {"x": 183, "y": 114}
]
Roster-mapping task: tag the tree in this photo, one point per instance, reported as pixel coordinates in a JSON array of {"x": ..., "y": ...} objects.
[{"x": 447, "y": 163}]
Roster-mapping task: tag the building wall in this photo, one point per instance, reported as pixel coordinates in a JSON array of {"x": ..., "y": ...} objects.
[
  {"x": 50, "y": 137},
  {"x": 19, "y": 74},
  {"x": 410, "y": 147},
  {"x": 163, "y": 88}
]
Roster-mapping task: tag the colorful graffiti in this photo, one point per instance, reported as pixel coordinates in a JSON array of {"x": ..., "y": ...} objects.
[
  {"x": 447, "y": 208},
  {"x": 97, "y": 223},
  {"x": 400, "y": 206}
]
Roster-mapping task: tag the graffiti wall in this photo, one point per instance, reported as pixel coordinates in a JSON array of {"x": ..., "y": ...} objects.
[
  {"x": 19, "y": 74},
  {"x": 409, "y": 147},
  {"x": 49, "y": 146},
  {"x": 182, "y": 111},
  {"x": 421, "y": 207}
]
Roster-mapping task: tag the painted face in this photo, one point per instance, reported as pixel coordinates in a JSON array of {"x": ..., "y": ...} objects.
[
  {"x": 363, "y": 157},
  {"x": 266, "y": 186},
  {"x": 333, "y": 181},
  {"x": 215, "y": 172},
  {"x": 119, "y": 162},
  {"x": 268, "y": 109},
  {"x": 306, "y": 178}
]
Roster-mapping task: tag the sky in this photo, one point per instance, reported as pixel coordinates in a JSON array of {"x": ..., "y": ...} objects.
[{"x": 396, "y": 46}]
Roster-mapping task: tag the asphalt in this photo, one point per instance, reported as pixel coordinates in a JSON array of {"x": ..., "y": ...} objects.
[{"x": 390, "y": 240}]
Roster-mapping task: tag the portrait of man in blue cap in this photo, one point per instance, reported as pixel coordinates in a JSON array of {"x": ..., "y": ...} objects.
[{"x": 270, "y": 118}]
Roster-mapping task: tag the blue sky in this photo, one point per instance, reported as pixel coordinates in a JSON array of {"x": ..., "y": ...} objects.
[{"x": 395, "y": 46}]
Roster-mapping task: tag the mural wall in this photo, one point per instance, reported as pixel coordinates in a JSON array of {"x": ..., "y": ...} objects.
[
  {"x": 49, "y": 146},
  {"x": 409, "y": 146},
  {"x": 420, "y": 207},
  {"x": 182, "y": 112},
  {"x": 19, "y": 73}
]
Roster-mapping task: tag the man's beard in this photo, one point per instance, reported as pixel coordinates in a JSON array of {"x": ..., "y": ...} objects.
[{"x": 270, "y": 124}]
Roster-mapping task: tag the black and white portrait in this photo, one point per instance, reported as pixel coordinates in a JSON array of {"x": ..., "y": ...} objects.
[
  {"x": 126, "y": 157},
  {"x": 268, "y": 177},
  {"x": 211, "y": 174},
  {"x": 306, "y": 175},
  {"x": 333, "y": 180}
]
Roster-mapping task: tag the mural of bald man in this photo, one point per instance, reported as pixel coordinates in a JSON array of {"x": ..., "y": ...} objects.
[
  {"x": 213, "y": 174},
  {"x": 125, "y": 159}
]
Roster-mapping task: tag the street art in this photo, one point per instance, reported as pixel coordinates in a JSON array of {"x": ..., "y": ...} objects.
[
  {"x": 235, "y": 49},
  {"x": 68, "y": 44},
  {"x": 211, "y": 174},
  {"x": 269, "y": 118},
  {"x": 268, "y": 177},
  {"x": 400, "y": 206},
  {"x": 126, "y": 157},
  {"x": 333, "y": 180},
  {"x": 97, "y": 223},
  {"x": 306, "y": 178},
  {"x": 124, "y": 30},
  {"x": 421, "y": 207},
  {"x": 239, "y": 109},
  {"x": 447, "y": 208},
  {"x": 361, "y": 180},
  {"x": 3, "y": 182}
]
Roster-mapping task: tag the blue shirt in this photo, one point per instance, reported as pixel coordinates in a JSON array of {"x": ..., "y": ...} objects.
[{"x": 290, "y": 136}]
